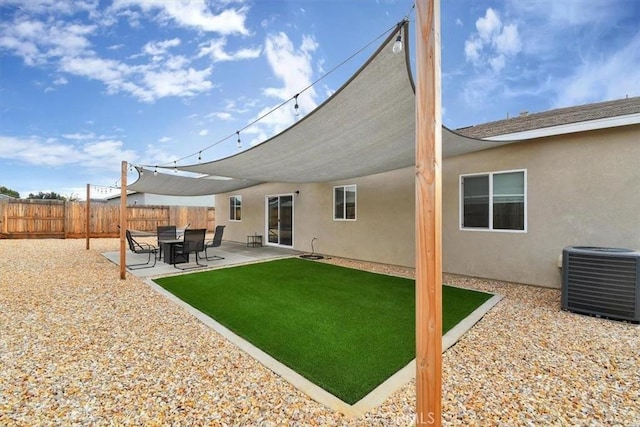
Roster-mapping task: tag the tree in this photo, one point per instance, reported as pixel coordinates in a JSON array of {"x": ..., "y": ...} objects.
[
  {"x": 9, "y": 192},
  {"x": 49, "y": 196}
]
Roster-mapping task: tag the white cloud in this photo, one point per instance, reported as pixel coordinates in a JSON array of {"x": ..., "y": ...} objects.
[
  {"x": 472, "y": 50},
  {"x": 215, "y": 50},
  {"x": 203, "y": 132},
  {"x": 53, "y": 153},
  {"x": 54, "y": 6},
  {"x": 181, "y": 83},
  {"x": 613, "y": 76},
  {"x": 497, "y": 63},
  {"x": 508, "y": 41},
  {"x": 38, "y": 42},
  {"x": 493, "y": 43},
  {"x": 66, "y": 46},
  {"x": 164, "y": 139},
  {"x": 489, "y": 25},
  {"x": 60, "y": 81},
  {"x": 160, "y": 48},
  {"x": 79, "y": 136},
  {"x": 222, "y": 115},
  {"x": 293, "y": 67},
  {"x": 194, "y": 13}
]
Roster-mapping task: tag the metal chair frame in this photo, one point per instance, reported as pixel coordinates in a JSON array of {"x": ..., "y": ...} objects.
[
  {"x": 214, "y": 243},
  {"x": 141, "y": 248},
  {"x": 193, "y": 243}
]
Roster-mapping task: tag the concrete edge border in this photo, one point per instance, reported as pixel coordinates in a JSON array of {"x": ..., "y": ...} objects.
[{"x": 375, "y": 398}]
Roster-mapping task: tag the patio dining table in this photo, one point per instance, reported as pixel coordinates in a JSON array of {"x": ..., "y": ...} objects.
[{"x": 170, "y": 257}]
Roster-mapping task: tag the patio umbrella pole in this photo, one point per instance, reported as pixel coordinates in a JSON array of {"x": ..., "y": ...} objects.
[
  {"x": 123, "y": 220},
  {"x": 428, "y": 215}
]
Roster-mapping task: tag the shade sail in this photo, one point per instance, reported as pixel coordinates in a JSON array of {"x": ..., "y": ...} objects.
[
  {"x": 176, "y": 185},
  {"x": 364, "y": 128}
]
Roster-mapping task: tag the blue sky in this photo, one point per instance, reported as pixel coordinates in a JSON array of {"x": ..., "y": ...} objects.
[{"x": 85, "y": 84}]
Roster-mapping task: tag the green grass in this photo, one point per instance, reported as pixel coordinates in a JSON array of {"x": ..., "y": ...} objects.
[{"x": 345, "y": 330}]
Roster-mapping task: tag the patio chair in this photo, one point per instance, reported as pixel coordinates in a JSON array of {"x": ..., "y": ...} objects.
[
  {"x": 216, "y": 242},
  {"x": 193, "y": 243},
  {"x": 141, "y": 248},
  {"x": 165, "y": 232}
]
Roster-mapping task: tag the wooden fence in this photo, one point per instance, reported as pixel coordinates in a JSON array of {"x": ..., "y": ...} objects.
[{"x": 35, "y": 218}]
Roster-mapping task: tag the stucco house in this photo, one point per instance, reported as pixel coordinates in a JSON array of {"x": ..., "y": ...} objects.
[
  {"x": 569, "y": 176},
  {"x": 149, "y": 199},
  {"x": 515, "y": 192}
]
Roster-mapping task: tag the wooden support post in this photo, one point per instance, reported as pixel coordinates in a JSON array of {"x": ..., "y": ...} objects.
[
  {"x": 88, "y": 213},
  {"x": 428, "y": 215},
  {"x": 123, "y": 220}
]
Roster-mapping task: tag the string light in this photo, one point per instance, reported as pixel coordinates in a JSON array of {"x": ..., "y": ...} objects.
[
  {"x": 175, "y": 167},
  {"x": 155, "y": 171},
  {"x": 397, "y": 45},
  {"x": 199, "y": 156},
  {"x": 239, "y": 142},
  {"x": 296, "y": 109}
]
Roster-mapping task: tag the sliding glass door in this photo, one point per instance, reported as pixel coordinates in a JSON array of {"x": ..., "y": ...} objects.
[{"x": 280, "y": 220}]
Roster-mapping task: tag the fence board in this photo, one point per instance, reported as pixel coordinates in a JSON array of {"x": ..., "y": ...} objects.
[{"x": 36, "y": 218}]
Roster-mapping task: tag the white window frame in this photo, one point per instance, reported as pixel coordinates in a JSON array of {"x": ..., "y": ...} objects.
[
  {"x": 239, "y": 198},
  {"x": 490, "y": 228},
  {"x": 344, "y": 211}
]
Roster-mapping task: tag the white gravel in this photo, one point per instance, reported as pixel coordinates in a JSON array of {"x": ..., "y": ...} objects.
[{"x": 78, "y": 346}]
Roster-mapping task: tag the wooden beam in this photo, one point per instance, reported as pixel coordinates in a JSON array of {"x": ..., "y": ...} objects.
[
  {"x": 88, "y": 213},
  {"x": 428, "y": 215},
  {"x": 123, "y": 220}
]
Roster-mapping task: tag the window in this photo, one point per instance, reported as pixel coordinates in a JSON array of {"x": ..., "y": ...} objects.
[
  {"x": 235, "y": 208},
  {"x": 493, "y": 201},
  {"x": 344, "y": 203}
]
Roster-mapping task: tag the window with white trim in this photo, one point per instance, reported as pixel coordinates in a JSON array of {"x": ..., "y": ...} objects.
[
  {"x": 235, "y": 208},
  {"x": 495, "y": 201},
  {"x": 344, "y": 203}
]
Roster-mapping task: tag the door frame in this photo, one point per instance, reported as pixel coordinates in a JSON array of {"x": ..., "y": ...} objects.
[{"x": 266, "y": 219}]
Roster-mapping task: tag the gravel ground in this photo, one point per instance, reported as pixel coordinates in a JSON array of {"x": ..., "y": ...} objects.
[{"x": 78, "y": 346}]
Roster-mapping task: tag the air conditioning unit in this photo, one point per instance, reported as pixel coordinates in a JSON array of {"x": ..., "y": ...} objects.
[{"x": 601, "y": 282}]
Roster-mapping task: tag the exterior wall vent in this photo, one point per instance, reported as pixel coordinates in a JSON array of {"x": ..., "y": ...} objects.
[{"x": 602, "y": 282}]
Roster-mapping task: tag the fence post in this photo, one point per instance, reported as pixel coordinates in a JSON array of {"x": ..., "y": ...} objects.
[
  {"x": 123, "y": 220},
  {"x": 88, "y": 213}
]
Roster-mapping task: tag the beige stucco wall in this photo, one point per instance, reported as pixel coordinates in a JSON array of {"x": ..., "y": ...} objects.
[
  {"x": 383, "y": 231},
  {"x": 583, "y": 189}
]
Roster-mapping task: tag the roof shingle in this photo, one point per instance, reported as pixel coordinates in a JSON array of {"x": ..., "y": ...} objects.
[{"x": 559, "y": 116}]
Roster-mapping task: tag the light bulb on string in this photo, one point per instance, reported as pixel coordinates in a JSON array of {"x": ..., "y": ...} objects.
[
  {"x": 296, "y": 108},
  {"x": 199, "y": 156},
  {"x": 141, "y": 171},
  {"x": 239, "y": 142},
  {"x": 155, "y": 171},
  {"x": 175, "y": 167},
  {"x": 397, "y": 45}
]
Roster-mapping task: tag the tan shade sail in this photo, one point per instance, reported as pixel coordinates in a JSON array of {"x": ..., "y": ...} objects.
[{"x": 364, "y": 128}]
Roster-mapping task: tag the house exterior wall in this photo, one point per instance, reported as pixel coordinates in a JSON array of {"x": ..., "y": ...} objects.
[
  {"x": 582, "y": 189},
  {"x": 383, "y": 230},
  {"x": 148, "y": 199}
]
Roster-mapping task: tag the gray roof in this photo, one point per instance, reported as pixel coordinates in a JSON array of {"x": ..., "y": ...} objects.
[{"x": 559, "y": 116}]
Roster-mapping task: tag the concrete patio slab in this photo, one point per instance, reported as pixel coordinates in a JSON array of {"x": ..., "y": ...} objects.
[{"x": 234, "y": 253}]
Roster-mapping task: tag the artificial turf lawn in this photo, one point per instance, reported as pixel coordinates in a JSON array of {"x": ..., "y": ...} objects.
[{"x": 345, "y": 330}]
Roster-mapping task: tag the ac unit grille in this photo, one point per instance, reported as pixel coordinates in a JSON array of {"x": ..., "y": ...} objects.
[{"x": 602, "y": 282}]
